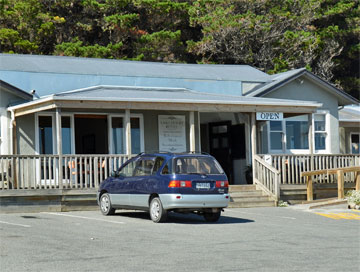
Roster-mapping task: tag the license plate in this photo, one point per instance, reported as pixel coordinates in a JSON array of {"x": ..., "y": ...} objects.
[{"x": 203, "y": 185}]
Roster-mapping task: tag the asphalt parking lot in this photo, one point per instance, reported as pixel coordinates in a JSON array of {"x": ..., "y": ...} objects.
[{"x": 257, "y": 239}]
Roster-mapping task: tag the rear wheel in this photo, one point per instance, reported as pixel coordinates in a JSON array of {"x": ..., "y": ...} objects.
[
  {"x": 105, "y": 205},
  {"x": 157, "y": 212},
  {"x": 212, "y": 217}
]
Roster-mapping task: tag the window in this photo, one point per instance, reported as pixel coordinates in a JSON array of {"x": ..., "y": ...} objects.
[
  {"x": 158, "y": 163},
  {"x": 167, "y": 169},
  {"x": 144, "y": 167},
  {"x": 320, "y": 131},
  {"x": 197, "y": 165},
  {"x": 297, "y": 134},
  {"x": 276, "y": 130},
  {"x": 355, "y": 143},
  {"x": 118, "y": 140},
  {"x": 135, "y": 135},
  {"x": 128, "y": 169},
  {"x": 66, "y": 134},
  {"x": 45, "y": 135}
]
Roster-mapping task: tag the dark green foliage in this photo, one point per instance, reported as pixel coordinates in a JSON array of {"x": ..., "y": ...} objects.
[{"x": 272, "y": 35}]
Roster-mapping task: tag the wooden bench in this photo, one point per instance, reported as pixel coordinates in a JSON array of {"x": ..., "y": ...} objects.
[{"x": 340, "y": 179}]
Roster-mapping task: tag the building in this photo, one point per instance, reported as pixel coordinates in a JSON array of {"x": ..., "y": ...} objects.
[{"x": 97, "y": 106}]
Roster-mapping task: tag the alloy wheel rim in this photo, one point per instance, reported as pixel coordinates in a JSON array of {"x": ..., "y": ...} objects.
[
  {"x": 104, "y": 203},
  {"x": 155, "y": 209}
]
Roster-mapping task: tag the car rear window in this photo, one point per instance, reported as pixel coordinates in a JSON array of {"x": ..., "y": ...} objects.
[{"x": 197, "y": 165}]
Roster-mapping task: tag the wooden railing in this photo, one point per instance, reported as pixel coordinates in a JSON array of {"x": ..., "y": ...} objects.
[
  {"x": 339, "y": 172},
  {"x": 19, "y": 172},
  {"x": 292, "y": 166},
  {"x": 267, "y": 177}
]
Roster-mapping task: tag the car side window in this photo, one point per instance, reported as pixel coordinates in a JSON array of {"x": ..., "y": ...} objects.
[
  {"x": 158, "y": 163},
  {"x": 144, "y": 167},
  {"x": 167, "y": 169},
  {"x": 128, "y": 170}
]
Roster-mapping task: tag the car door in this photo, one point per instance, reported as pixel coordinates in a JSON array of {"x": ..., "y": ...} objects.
[
  {"x": 120, "y": 191},
  {"x": 139, "y": 194}
]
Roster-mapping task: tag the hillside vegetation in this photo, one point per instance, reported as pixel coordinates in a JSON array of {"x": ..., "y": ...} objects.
[{"x": 272, "y": 35}]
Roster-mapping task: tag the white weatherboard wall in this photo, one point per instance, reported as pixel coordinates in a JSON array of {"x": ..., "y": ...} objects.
[{"x": 306, "y": 90}]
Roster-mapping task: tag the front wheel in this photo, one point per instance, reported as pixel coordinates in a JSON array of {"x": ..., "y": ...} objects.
[
  {"x": 212, "y": 217},
  {"x": 157, "y": 212},
  {"x": 105, "y": 205}
]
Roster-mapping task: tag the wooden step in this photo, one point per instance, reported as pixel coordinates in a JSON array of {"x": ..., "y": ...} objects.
[
  {"x": 246, "y": 193},
  {"x": 249, "y": 199},
  {"x": 252, "y": 204},
  {"x": 239, "y": 188}
]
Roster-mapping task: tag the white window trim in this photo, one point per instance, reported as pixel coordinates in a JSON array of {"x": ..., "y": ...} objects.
[
  {"x": 327, "y": 131},
  {"x": 53, "y": 121},
  {"x": 37, "y": 137},
  {"x": 110, "y": 136},
  {"x": 302, "y": 151},
  {"x": 283, "y": 139},
  {"x": 350, "y": 142}
]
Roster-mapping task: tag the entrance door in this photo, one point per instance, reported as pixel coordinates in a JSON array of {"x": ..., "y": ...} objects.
[
  {"x": 91, "y": 135},
  {"x": 220, "y": 146}
]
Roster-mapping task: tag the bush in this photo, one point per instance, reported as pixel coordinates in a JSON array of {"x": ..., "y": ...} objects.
[{"x": 353, "y": 197}]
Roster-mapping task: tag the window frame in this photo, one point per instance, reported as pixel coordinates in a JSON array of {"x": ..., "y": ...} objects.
[
  {"x": 284, "y": 149},
  {"x": 53, "y": 126},
  {"x": 350, "y": 142},
  {"x": 110, "y": 135}
]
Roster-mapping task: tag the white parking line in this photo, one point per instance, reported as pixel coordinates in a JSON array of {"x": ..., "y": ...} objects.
[
  {"x": 13, "y": 224},
  {"x": 84, "y": 217},
  {"x": 263, "y": 215}
]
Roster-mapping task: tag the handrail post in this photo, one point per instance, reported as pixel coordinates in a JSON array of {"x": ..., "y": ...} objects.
[
  {"x": 340, "y": 180},
  {"x": 309, "y": 188},
  {"x": 357, "y": 181}
]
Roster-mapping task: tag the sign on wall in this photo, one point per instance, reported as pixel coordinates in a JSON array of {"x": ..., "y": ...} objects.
[
  {"x": 269, "y": 116},
  {"x": 172, "y": 135}
]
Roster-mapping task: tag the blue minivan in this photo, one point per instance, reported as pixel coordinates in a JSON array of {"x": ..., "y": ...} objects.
[{"x": 167, "y": 182}]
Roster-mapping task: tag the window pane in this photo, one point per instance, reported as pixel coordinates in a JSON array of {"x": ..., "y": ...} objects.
[
  {"x": 275, "y": 140},
  {"x": 319, "y": 122},
  {"x": 275, "y": 126},
  {"x": 144, "y": 167},
  {"x": 135, "y": 135},
  {"x": 158, "y": 163},
  {"x": 66, "y": 135},
  {"x": 355, "y": 144},
  {"x": 118, "y": 135},
  {"x": 320, "y": 141},
  {"x": 45, "y": 135},
  {"x": 297, "y": 135},
  {"x": 127, "y": 170},
  {"x": 219, "y": 129}
]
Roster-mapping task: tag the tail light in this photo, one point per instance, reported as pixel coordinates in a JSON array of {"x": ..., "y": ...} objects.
[
  {"x": 222, "y": 184},
  {"x": 180, "y": 184}
]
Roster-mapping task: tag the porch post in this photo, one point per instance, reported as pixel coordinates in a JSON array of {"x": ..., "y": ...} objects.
[
  {"x": 192, "y": 131},
  {"x": 310, "y": 140},
  {"x": 59, "y": 146},
  {"x": 128, "y": 132},
  {"x": 253, "y": 142}
]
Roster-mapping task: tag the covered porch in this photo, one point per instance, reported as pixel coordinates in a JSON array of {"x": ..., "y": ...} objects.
[{"x": 73, "y": 140}]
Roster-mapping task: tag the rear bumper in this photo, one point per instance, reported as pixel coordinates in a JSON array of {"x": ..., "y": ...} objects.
[{"x": 170, "y": 201}]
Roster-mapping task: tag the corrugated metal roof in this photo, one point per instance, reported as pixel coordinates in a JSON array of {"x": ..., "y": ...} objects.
[
  {"x": 350, "y": 114},
  {"x": 170, "y": 95},
  {"x": 75, "y": 65}
]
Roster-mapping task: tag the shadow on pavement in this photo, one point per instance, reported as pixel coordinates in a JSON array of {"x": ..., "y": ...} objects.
[{"x": 184, "y": 218}]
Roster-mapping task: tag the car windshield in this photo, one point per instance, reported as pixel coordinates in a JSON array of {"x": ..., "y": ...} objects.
[{"x": 197, "y": 165}]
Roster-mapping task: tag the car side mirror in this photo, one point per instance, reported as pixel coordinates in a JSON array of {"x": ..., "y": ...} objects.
[{"x": 114, "y": 174}]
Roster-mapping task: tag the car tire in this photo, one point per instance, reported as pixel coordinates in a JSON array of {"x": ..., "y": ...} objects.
[
  {"x": 105, "y": 205},
  {"x": 157, "y": 212},
  {"x": 212, "y": 217}
]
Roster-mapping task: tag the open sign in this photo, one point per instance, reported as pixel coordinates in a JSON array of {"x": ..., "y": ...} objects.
[{"x": 269, "y": 116}]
